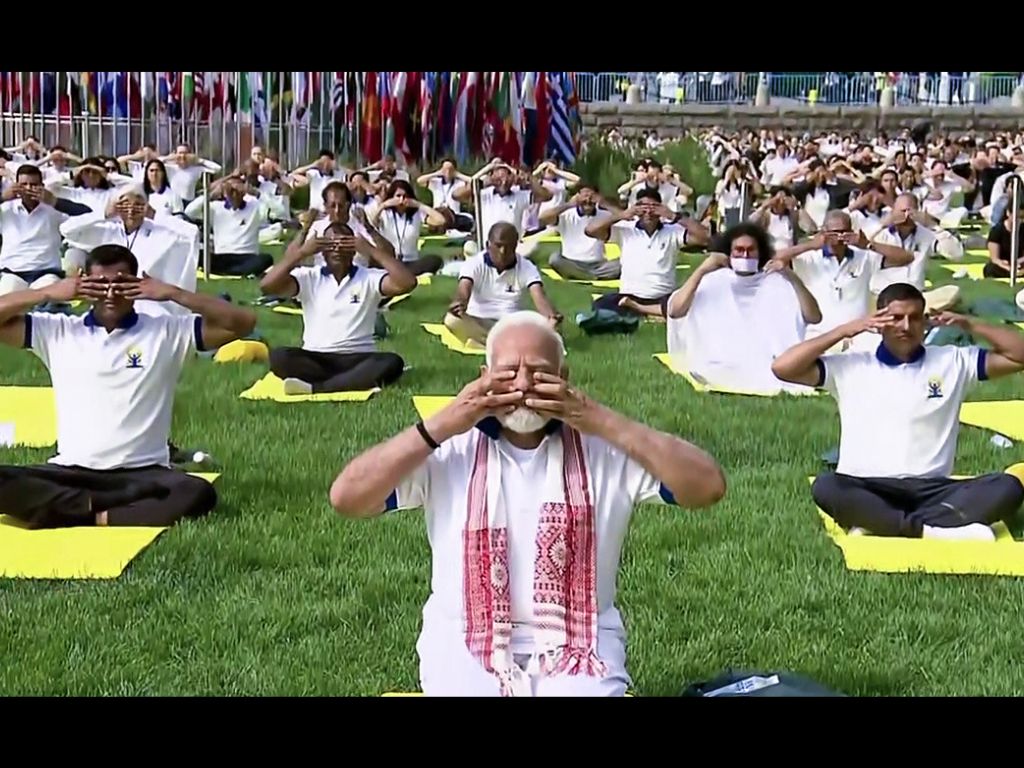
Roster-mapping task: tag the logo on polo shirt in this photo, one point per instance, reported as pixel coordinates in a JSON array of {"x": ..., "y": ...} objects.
[
  {"x": 355, "y": 298},
  {"x": 134, "y": 358},
  {"x": 934, "y": 387}
]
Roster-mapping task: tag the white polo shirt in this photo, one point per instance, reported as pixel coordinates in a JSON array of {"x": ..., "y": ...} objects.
[
  {"x": 444, "y": 193},
  {"x": 777, "y": 168},
  {"x": 667, "y": 191},
  {"x": 940, "y": 207},
  {"x": 97, "y": 199},
  {"x": 842, "y": 290},
  {"x": 577, "y": 245},
  {"x": 558, "y": 189},
  {"x": 901, "y": 419},
  {"x": 318, "y": 180},
  {"x": 166, "y": 202},
  {"x": 166, "y": 248},
  {"x": 496, "y": 294},
  {"x": 648, "y": 261},
  {"x": 339, "y": 317},
  {"x": 921, "y": 242},
  {"x": 235, "y": 230},
  {"x": 403, "y": 232},
  {"x": 867, "y": 222},
  {"x": 440, "y": 487},
  {"x": 780, "y": 230},
  {"x": 31, "y": 241},
  {"x": 508, "y": 208},
  {"x": 114, "y": 391},
  {"x": 183, "y": 180}
]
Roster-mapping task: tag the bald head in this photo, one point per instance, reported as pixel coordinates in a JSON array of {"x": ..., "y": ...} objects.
[{"x": 501, "y": 244}]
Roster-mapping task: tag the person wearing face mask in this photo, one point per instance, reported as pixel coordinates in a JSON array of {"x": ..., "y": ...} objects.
[
  {"x": 491, "y": 285},
  {"x": 837, "y": 266},
  {"x": 582, "y": 257},
  {"x": 114, "y": 372},
  {"x": 339, "y": 308},
  {"x": 650, "y": 237},
  {"x": 166, "y": 248},
  {"x": 895, "y": 467},
  {"x": 401, "y": 218},
  {"x": 527, "y": 485},
  {"x": 736, "y": 312}
]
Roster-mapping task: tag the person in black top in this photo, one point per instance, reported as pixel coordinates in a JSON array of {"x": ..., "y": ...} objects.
[
  {"x": 983, "y": 169},
  {"x": 999, "y": 247}
]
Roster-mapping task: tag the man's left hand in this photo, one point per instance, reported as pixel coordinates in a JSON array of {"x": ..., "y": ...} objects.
[
  {"x": 951, "y": 318},
  {"x": 144, "y": 288},
  {"x": 552, "y": 396}
]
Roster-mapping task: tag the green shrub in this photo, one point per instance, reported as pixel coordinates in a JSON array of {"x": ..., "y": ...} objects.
[{"x": 609, "y": 167}]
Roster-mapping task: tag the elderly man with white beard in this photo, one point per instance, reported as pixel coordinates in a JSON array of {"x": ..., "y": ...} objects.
[{"x": 528, "y": 486}]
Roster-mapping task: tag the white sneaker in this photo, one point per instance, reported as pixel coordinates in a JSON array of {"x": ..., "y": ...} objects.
[
  {"x": 297, "y": 387},
  {"x": 972, "y": 532}
]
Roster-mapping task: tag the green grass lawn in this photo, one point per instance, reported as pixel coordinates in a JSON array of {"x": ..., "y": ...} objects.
[{"x": 273, "y": 594}]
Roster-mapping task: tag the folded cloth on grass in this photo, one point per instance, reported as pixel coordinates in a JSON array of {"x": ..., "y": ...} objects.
[
  {"x": 72, "y": 553},
  {"x": 272, "y": 388},
  {"x": 1003, "y": 416},
  {"x": 28, "y": 417},
  {"x": 893, "y": 554},
  {"x": 451, "y": 341}
]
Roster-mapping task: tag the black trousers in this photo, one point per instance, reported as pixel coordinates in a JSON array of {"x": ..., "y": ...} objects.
[
  {"x": 240, "y": 264},
  {"x": 49, "y": 496},
  {"x": 994, "y": 270},
  {"x": 424, "y": 264},
  {"x": 337, "y": 372},
  {"x": 611, "y": 301},
  {"x": 888, "y": 506}
]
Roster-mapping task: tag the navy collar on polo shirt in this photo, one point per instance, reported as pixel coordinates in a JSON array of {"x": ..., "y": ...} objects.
[
  {"x": 492, "y": 427},
  {"x": 125, "y": 323},
  {"x": 490, "y": 263},
  {"x": 326, "y": 271},
  {"x": 639, "y": 225},
  {"x": 888, "y": 358},
  {"x": 227, "y": 204}
]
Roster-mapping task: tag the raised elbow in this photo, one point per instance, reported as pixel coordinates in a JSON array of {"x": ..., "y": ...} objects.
[
  {"x": 346, "y": 499},
  {"x": 710, "y": 490}
]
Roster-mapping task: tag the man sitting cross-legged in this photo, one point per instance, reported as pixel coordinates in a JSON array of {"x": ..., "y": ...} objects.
[
  {"x": 114, "y": 373},
  {"x": 582, "y": 257},
  {"x": 895, "y": 462},
  {"x": 491, "y": 286},
  {"x": 339, "y": 309},
  {"x": 528, "y": 486}
]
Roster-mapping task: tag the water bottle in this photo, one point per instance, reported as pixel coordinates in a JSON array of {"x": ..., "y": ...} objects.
[{"x": 999, "y": 441}]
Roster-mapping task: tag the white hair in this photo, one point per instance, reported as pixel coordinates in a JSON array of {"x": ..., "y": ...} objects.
[
  {"x": 131, "y": 190},
  {"x": 517, "y": 320}
]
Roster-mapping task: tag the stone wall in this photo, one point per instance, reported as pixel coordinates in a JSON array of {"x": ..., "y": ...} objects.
[{"x": 672, "y": 119}]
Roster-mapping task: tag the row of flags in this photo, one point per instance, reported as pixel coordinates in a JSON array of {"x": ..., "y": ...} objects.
[{"x": 518, "y": 116}]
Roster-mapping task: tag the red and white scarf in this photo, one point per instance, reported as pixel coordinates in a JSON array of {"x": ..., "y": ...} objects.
[{"x": 565, "y": 568}]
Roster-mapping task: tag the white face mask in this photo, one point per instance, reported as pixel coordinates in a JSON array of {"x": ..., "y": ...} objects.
[
  {"x": 523, "y": 420},
  {"x": 744, "y": 266}
]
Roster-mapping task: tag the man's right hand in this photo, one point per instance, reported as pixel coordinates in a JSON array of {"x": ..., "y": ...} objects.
[
  {"x": 64, "y": 292},
  {"x": 489, "y": 395},
  {"x": 873, "y": 323}
]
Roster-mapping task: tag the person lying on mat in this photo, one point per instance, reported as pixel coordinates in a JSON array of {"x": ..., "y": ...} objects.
[
  {"x": 735, "y": 313},
  {"x": 491, "y": 286},
  {"x": 114, "y": 373},
  {"x": 581, "y": 257},
  {"x": 235, "y": 217},
  {"x": 30, "y": 219},
  {"x": 837, "y": 265},
  {"x": 893, "y": 477},
  {"x": 649, "y": 248},
  {"x": 339, "y": 309},
  {"x": 528, "y": 486},
  {"x": 401, "y": 218},
  {"x": 165, "y": 247}
]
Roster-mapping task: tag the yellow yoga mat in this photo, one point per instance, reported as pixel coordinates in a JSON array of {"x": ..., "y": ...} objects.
[
  {"x": 202, "y": 276},
  {"x": 28, "y": 417},
  {"x": 974, "y": 271},
  {"x": 427, "y": 405},
  {"x": 272, "y": 388},
  {"x": 72, "y": 553},
  {"x": 451, "y": 341},
  {"x": 1003, "y": 416},
  {"x": 665, "y": 359},
  {"x": 421, "y": 280}
]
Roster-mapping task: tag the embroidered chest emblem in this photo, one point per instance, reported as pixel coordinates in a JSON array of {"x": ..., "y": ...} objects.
[
  {"x": 934, "y": 388},
  {"x": 134, "y": 358},
  {"x": 355, "y": 298}
]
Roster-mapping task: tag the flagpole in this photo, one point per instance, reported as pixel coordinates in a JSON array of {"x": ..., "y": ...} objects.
[{"x": 358, "y": 115}]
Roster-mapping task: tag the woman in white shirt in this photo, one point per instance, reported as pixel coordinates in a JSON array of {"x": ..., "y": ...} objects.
[
  {"x": 159, "y": 195},
  {"x": 90, "y": 188},
  {"x": 400, "y": 218}
]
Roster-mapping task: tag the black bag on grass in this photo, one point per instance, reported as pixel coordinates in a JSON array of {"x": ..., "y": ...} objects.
[{"x": 732, "y": 684}]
